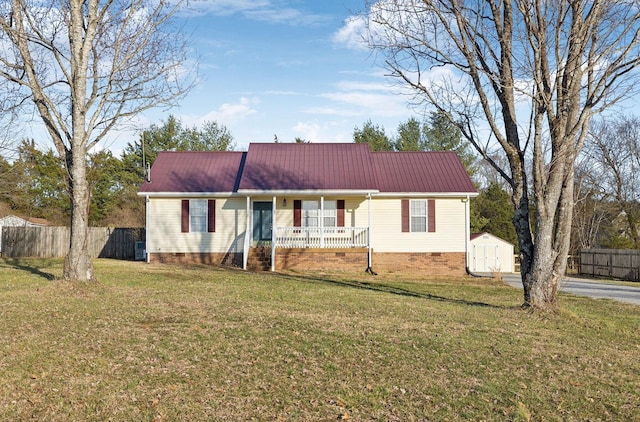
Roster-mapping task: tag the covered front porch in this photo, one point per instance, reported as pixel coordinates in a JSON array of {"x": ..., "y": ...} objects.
[
  {"x": 321, "y": 237},
  {"x": 299, "y": 227}
]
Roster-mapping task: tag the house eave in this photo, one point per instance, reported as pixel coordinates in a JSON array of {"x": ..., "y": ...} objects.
[
  {"x": 316, "y": 192},
  {"x": 324, "y": 192},
  {"x": 188, "y": 194},
  {"x": 426, "y": 194}
]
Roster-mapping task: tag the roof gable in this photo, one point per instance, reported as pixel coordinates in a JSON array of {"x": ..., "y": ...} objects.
[
  {"x": 195, "y": 172},
  {"x": 308, "y": 166},
  {"x": 412, "y": 172},
  {"x": 476, "y": 237},
  {"x": 15, "y": 221}
]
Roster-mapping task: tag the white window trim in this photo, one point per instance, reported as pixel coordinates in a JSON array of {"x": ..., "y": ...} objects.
[
  {"x": 425, "y": 216},
  {"x": 198, "y": 205},
  {"x": 311, "y": 210},
  {"x": 331, "y": 213}
]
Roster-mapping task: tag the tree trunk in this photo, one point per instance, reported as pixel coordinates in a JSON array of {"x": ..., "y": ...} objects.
[
  {"x": 525, "y": 244},
  {"x": 77, "y": 264}
]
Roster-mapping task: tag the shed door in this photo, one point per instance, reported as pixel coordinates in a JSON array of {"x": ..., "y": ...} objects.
[{"x": 485, "y": 258}]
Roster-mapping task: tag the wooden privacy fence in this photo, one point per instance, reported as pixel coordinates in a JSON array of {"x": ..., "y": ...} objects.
[
  {"x": 53, "y": 242},
  {"x": 616, "y": 263}
]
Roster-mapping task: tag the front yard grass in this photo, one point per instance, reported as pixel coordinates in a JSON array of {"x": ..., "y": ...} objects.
[{"x": 156, "y": 342}]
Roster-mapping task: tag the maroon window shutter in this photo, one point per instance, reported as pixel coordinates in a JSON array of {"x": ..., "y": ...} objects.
[
  {"x": 211, "y": 216},
  {"x": 431, "y": 215},
  {"x": 185, "y": 216},
  {"x": 405, "y": 215},
  {"x": 297, "y": 213},
  {"x": 340, "y": 216}
]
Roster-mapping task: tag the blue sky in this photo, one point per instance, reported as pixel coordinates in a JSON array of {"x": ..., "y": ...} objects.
[{"x": 283, "y": 67}]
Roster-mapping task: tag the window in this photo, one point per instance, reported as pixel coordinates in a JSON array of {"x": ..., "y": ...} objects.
[
  {"x": 198, "y": 215},
  {"x": 330, "y": 213},
  {"x": 418, "y": 215},
  {"x": 311, "y": 213}
]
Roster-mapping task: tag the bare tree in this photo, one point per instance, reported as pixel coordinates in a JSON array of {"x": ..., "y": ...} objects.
[
  {"x": 612, "y": 156},
  {"x": 525, "y": 75},
  {"x": 592, "y": 208},
  {"x": 84, "y": 66}
]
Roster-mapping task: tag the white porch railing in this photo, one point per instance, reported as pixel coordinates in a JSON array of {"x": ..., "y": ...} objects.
[{"x": 328, "y": 237}]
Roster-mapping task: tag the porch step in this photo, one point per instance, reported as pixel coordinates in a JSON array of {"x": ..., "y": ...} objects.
[{"x": 259, "y": 259}]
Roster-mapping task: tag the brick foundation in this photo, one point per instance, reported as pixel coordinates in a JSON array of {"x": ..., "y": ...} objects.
[
  {"x": 230, "y": 259},
  {"x": 430, "y": 263},
  {"x": 318, "y": 259},
  {"x": 353, "y": 259}
]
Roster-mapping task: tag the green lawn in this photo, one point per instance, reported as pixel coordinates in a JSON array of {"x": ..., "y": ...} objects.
[{"x": 200, "y": 343}]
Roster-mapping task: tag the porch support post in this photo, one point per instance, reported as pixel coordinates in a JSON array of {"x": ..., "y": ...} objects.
[
  {"x": 247, "y": 235},
  {"x": 321, "y": 222},
  {"x": 273, "y": 234},
  {"x": 369, "y": 232}
]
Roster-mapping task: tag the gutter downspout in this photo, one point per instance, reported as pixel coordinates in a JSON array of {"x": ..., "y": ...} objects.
[
  {"x": 321, "y": 221},
  {"x": 147, "y": 235},
  {"x": 247, "y": 234},
  {"x": 273, "y": 234},
  {"x": 467, "y": 238},
  {"x": 369, "y": 250}
]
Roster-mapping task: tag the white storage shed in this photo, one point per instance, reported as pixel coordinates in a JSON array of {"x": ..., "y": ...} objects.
[{"x": 491, "y": 254}]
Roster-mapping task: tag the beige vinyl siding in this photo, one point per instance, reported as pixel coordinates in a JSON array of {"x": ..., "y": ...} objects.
[
  {"x": 355, "y": 210},
  {"x": 387, "y": 235},
  {"x": 165, "y": 235},
  {"x": 284, "y": 215}
]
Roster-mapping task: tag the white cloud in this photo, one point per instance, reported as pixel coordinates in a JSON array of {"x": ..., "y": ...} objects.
[
  {"x": 329, "y": 131},
  {"x": 282, "y": 93},
  {"x": 351, "y": 35},
  {"x": 371, "y": 104},
  {"x": 308, "y": 131},
  {"x": 227, "y": 114},
  {"x": 332, "y": 111},
  {"x": 361, "y": 86},
  {"x": 257, "y": 10},
  {"x": 224, "y": 7}
]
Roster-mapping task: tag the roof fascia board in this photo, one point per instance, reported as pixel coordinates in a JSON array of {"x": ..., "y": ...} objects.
[
  {"x": 426, "y": 194},
  {"x": 247, "y": 192},
  {"x": 345, "y": 192},
  {"x": 187, "y": 194}
]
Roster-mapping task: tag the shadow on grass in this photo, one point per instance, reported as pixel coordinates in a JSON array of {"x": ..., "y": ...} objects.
[
  {"x": 385, "y": 288},
  {"x": 28, "y": 267}
]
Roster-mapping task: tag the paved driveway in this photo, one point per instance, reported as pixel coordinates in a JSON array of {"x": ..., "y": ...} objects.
[{"x": 590, "y": 288}]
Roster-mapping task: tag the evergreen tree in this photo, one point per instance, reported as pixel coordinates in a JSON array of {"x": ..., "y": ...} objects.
[
  {"x": 211, "y": 137},
  {"x": 494, "y": 214},
  {"x": 104, "y": 176},
  {"x": 41, "y": 184},
  {"x": 373, "y": 135},
  {"x": 440, "y": 134},
  {"x": 409, "y": 136}
]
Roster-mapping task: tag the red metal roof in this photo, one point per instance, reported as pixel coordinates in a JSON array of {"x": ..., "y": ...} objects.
[
  {"x": 314, "y": 166},
  {"x": 413, "y": 172},
  {"x": 193, "y": 172}
]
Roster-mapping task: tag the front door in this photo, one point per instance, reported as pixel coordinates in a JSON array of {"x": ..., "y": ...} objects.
[{"x": 262, "y": 221}]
